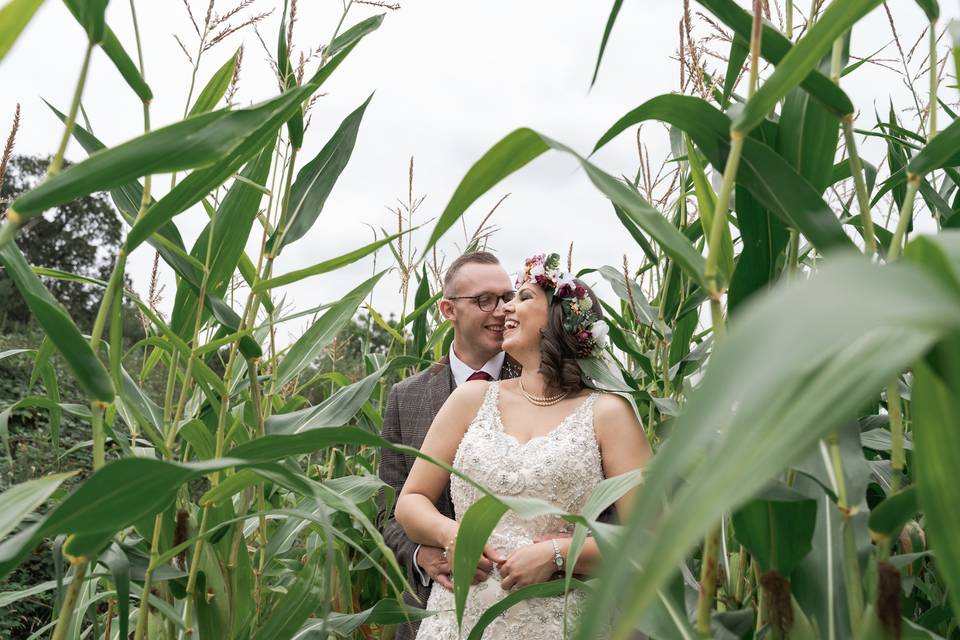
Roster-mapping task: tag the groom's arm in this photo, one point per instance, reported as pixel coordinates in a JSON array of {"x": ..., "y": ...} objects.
[{"x": 393, "y": 471}]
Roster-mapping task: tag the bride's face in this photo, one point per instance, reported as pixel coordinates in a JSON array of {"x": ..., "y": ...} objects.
[{"x": 525, "y": 316}]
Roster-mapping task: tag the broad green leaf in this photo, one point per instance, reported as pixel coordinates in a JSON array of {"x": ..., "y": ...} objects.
[
  {"x": 542, "y": 590},
  {"x": 939, "y": 152},
  {"x": 216, "y": 87},
  {"x": 777, "y": 528},
  {"x": 354, "y": 33},
  {"x": 774, "y": 46},
  {"x": 774, "y": 183},
  {"x": 58, "y": 325},
  {"x": 288, "y": 80},
  {"x": 232, "y": 485},
  {"x": 296, "y": 605},
  {"x": 523, "y": 145},
  {"x": 198, "y": 184},
  {"x": 931, "y": 8},
  {"x": 764, "y": 238},
  {"x": 313, "y": 341},
  {"x": 116, "y": 560},
  {"x": 90, "y": 15},
  {"x": 227, "y": 235},
  {"x": 14, "y": 16},
  {"x": 384, "y": 612},
  {"x": 324, "y": 267},
  {"x": 611, "y": 20},
  {"x": 748, "y": 407},
  {"x": 340, "y": 407},
  {"x": 419, "y": 328},
  {"x": 801, "y": 60},
  {"x": 889, "y": 516},
  {"x": 20, "y": 500},
  {"x": 315, "y": 181},
  {"x": 121, "y": 60},
  {"x": 807, "y": 138},
  {"x": 739, "y": 50}
]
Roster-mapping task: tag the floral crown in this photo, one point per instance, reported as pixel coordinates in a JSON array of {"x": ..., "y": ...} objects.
[{"x": 588, "y": 330}]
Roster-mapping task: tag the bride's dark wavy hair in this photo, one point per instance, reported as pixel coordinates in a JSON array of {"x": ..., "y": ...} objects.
[{"x": 558, "y": 349}]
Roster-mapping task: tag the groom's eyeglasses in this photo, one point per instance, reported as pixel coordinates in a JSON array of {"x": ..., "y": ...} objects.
[{"x": 487, "y": 301}]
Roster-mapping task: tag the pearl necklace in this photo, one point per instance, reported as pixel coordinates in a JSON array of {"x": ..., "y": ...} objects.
[{"x": 541, "y": 401}]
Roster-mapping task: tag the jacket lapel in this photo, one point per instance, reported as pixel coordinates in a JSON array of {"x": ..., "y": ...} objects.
[{"x": 439, "y": 385}]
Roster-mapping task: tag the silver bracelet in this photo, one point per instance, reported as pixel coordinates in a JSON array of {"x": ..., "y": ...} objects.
[{"x": 557, "y": 558}]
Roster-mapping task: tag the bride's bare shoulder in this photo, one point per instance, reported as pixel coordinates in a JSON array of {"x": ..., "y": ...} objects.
[{"x": 468, "y": 396}]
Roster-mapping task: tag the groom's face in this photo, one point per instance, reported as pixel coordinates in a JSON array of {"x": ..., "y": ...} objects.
[{"x": 478, "y": 330}]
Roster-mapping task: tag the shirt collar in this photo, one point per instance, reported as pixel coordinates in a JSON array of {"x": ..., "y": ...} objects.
[{"x": 461, "y": 371}]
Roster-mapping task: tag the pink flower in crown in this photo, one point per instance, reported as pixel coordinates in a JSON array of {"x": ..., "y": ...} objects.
[{"x": 566, "y": 285}]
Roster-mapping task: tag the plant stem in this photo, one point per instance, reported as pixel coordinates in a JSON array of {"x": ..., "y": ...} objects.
[
  {"x": 933, "y": 80},
  {"x": 851, "y": 563},
  {"x": 863, "y": 200},
  {"x": 708, "y": 581},
  {"x": 789, "y": 12},
  {"x": 720, "y": 220},
  {"x": 906, "y": 215},
  {"x": 57, "y": 163},
  {"x": 897, "y": 459},
  {"x": 73, "y": 591}
]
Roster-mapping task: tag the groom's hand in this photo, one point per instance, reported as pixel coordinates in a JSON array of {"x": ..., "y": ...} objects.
[{"x": 432, "y": 561}]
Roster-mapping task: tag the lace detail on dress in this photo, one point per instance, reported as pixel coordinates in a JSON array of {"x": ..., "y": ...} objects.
[{"x": 562, "y": 467}]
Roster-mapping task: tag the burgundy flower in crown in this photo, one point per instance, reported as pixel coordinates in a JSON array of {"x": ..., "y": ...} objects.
[{"x": 587, "y": 330}]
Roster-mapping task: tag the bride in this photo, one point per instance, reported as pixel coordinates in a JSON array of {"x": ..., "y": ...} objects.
[{"x": 544, "y": 435}]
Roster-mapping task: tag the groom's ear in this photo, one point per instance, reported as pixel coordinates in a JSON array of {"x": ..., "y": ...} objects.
[{"x": 446, "y": 309}]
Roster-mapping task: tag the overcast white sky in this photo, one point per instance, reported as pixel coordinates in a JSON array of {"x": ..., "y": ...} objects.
[{"x": 451, "y": 78}]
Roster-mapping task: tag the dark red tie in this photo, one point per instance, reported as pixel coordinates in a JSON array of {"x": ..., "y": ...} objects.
[{"x": 480, "y": 375}]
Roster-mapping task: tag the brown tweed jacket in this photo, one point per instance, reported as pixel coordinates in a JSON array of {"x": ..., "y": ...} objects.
[{"x": 411, "y": 407}]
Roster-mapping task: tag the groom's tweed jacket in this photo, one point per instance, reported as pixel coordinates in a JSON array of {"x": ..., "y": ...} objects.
[{"x": 411, "y": 407}]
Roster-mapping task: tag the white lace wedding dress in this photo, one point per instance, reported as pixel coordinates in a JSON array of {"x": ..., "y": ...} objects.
[{"x": 562, "y": 467}]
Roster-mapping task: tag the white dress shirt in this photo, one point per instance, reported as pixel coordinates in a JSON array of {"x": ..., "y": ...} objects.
[{"x": 461, "y": 371}]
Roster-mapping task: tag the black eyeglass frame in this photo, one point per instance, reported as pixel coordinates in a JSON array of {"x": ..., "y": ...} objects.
[{"x": 497, "y": 299}]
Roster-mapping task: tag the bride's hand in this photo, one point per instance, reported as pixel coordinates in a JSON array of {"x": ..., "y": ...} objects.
[{"x": 530, "y": 564}]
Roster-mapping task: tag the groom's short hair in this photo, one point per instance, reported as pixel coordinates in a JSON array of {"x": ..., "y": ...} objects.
[{"x": 476, "y": 257}]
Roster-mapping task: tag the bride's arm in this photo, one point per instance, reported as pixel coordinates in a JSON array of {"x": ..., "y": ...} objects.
[{"x": 416, "y": 509}]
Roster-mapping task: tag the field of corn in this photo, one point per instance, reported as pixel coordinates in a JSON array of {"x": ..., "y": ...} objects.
[{"x": 790, "y": 341}]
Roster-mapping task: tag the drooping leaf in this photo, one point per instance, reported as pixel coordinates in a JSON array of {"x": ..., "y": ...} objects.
[
  {"x": 611, "y": 20},
  {"x": 58, "y": 325},
  {"x": 774, "y": 183},
  {"x": 889, "y": 516},
  {"x": 777, "y": 528},
  {"x": 14, "y": 16},
  {"x": 20, "y": 500}
]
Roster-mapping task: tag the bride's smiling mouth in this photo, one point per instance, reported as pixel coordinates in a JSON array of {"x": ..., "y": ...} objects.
[{"x": 509, "y": 325}]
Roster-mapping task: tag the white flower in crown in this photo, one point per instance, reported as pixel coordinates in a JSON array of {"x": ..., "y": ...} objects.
[
  {"x": 566, "y": 279},
  {"x": 537, "y": 270},
  {"x": 599, "y": 330},
  {"x": 553, "y": 275}
]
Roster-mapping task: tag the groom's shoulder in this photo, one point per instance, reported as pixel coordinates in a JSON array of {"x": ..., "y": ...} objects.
[{"x": 418, "y": 382}]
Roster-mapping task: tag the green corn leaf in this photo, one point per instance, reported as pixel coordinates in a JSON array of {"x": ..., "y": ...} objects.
[
  {"x": 14, "y": 16},
  {"x": 354, "y": 33},
  {"x": 308, "y": 346},
  {"x": 58, "y": 325},
  {"x": 301, "y": 599},
  {"x": 523, "y": 145},
  {"x": 121, "y": 60},
  {"x": 889, "y": 516},
  {"x": 542, "y": 590},
  {"x": 288, "y": 80},
  {"x": 91, "y": 16},
  {"x": 116, "y": 560},
  {"x": 611, "y": 20},
  {"x": 739, "y": 50},
  {"x": 774, "y": 46},
  {"x": 20, "y": 500},
  {"x": 801, "y": 60},
  {"x": 326, "y": 266},
  {"x": 744, "y": 409},
  {"x": 419, "y": 328},
  {"x": 216, "y": 87},
  {"x": 774, "y": 183},
  {"x": 939, "y": 152},
  {"x": 384, "y": 612},
  {"x": 931, "y": 8},
  {"x": 315, "y": 181},
  {"x": 706, "y": 206},
  {"x": 777, "y": 528}
]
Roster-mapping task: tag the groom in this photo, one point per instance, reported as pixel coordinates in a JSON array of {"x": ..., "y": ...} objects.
[{"x": 475, "y": 288}]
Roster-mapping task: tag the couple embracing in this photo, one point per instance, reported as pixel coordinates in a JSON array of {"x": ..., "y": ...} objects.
[{"x": 509, "y": 407}]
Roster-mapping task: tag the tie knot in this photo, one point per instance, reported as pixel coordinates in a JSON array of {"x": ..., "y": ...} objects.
[{"x": 480, "y": 375}]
